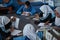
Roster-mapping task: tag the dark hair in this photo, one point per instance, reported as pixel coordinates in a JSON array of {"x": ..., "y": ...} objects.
[
  {"x": 27, "y": 3},
  {"x": 7, "y": 26}
]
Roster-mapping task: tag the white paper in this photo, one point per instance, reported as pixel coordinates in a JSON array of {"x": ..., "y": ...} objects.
[
  {"x": 16, "y": 23},
  {"x": 35, "y": 19},
  {"x": 54, "y": 38},
  {"x": 15, "y": 32},
  {"x": 43, "y": 24},
  {"x": 48, "y": 35},
  {"x": 27, "y": 13}
]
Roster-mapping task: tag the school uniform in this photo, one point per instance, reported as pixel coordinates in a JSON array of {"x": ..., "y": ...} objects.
[
  {"x": 29, "y": 31},
  {"x": 16, "y": 5},
  {"x": 0, "y": 1},
  {"x": 8, "y": 7},
  {"x": 8, "y": 4},
  {"x": 47, "y": 12},
  {"x": 31, "y": 10},
  {"x": 4, "y": 26}
]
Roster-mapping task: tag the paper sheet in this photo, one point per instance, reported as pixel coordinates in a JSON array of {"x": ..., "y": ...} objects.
[
  {"x": 17, "y": 23},
  {"x": 48, "y": 35},
  {"x": 35, "y": 19},
  {"x": 16, "y": 32},
  {"x": 42, "y": 24},
  {"x": 54, "y": 38}
]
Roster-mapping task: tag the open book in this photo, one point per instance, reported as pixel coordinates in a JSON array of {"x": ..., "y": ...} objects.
[
  {"x": 15, "y": 32},
  {"x": 43, "y": 24}
]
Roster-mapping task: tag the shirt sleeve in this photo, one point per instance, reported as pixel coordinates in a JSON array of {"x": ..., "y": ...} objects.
[
  {"x": 8, "y": 4},
  {"x": 20, "y": 10},
  {"x": 33, "y": 11}
]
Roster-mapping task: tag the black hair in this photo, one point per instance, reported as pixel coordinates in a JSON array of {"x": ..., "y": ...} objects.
[
  {"x": 27, "y": 3},
  {"x": 7, "y": 26}
]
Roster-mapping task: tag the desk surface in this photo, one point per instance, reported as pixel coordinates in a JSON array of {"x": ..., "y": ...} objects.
[{"x": 23, "y": 21}]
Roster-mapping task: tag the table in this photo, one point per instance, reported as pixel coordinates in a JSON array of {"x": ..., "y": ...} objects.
[{"x": 23, "y": 21}]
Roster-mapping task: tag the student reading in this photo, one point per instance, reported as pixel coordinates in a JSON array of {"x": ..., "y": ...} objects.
[{"x": 26, "y": 9}]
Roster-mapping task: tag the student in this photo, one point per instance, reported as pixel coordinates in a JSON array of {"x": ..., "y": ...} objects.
[
  {"x": 8, "y": 4},
  {"x": 57, "y": 19},
  {"x": 48, "y": 13},
  {"x": 27, "y": 9},
  {"x": 29, "y": 31},
  {"x": 17, "y": 4},
  {"x": 5, "y": 27},
  {"x": 0, "y": 1}
]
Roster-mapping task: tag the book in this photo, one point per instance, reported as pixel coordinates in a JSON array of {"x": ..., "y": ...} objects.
[{"x": 15, "y": 32}]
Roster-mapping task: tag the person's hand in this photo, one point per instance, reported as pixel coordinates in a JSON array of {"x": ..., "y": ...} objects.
[
  {"x": 23, "y": 13},
  {"x": 8, "y": 38},
  {"x": 37, "y": 16},
  {"x": 13, "y": 19},
  {"x": 47, "y": 23},
  {"x": 28, "y": 14},
  {"x": 12, "y": 29}
]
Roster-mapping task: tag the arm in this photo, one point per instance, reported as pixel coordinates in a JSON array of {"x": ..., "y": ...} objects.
[
  {"x": 57, "y": 14},
  {"x": 33, "y": 11},
  {"x": 9, "y": 4},
  {"x": 46, "y": 23},
  {"x": 20, "y": 10}
]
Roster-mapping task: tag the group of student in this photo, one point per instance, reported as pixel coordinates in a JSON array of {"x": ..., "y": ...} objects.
[
  {"x": 18, "y": 6},
  {"x": 48, "y": 16},
  {"x": 7, "y": 27}
]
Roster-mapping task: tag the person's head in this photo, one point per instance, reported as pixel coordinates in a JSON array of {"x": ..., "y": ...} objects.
[
  {"x": 27, "y": 4},
  {"x": 29, "y": 28},
  {"x": 29, "y": 31},
  {"x": 6, "y": 1},
  {"x": 13, "y": 18},
  {"x": 57, "y": 10}
]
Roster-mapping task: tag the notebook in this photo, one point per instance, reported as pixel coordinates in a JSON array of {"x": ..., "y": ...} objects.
[{"x": 15, "y": 32}]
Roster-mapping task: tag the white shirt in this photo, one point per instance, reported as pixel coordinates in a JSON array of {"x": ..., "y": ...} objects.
[
  {"x": 3, "y": 21},
  {"x": 46, "y": 10},
  {"x": 29, "y": 31}
]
